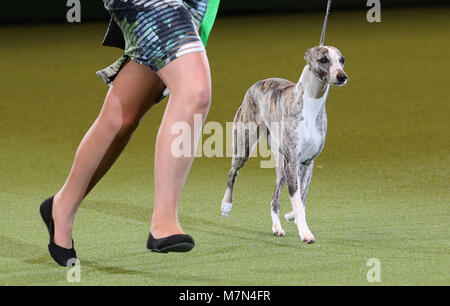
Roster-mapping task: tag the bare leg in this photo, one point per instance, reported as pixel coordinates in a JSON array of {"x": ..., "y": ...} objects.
[
  {"x": 135, "y": 90},
  {"x": 188, "y": 79}
]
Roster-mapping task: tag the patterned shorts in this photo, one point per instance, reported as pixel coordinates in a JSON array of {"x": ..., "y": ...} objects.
[{"x": 153, "y": 32}]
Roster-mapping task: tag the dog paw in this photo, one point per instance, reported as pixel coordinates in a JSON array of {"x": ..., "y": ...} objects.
[
  {"x": 226, "y": 209},
  {"x": 308, "y": 238},
  {"x": 279, "y": 232},
  {"x": 289, "y": 216}
]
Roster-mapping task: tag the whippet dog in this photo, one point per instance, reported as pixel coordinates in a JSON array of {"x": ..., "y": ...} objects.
[{"x": 294, "y": 120}]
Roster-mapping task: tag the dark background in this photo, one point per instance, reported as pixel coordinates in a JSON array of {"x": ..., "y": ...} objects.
[{"x": 34, "y": 11}]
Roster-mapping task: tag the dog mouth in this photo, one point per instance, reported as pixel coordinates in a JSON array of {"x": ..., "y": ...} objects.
[
  {"x": 324, "y": 78},
  {"x": 340, "y": 84}
]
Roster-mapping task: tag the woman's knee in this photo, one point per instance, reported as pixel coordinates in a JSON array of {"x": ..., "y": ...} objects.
[
  {"x": 203, "y": 94},
  {"x": 128, "y": 125},
  {"x": 120, "y": 123},
  {"x": 195, "y": 96}
]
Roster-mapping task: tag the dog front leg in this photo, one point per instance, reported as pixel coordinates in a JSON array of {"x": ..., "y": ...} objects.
[
  {"x": 298, "y": 208},
  {"x": 305, "y": 174},
  {"x": 275, "y": 203}
]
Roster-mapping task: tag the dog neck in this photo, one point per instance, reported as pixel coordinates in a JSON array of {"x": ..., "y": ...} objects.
[
  {"x": 312, "y": 85},
  {"x": 313, "y": 92}
]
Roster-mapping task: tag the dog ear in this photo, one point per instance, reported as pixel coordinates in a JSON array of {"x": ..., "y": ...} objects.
[{"x": 309, "y": 55}]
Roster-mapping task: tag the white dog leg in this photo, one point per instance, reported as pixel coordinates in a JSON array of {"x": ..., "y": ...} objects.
[
  {"x": 227, "y": 205},
  {"x": 300, "y": 218},
  {"x": 275, "y": 204},
  {"x": 227, "y": 201},
  {"x": 276, "y": 225},
  {"x": 305, "y": 173}
]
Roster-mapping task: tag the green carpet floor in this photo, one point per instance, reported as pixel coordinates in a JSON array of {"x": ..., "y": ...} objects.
[{"x": 380, "y": 188}]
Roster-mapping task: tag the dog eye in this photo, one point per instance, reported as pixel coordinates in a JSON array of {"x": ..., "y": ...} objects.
[
  {"x": 342, "y": 61},
  {"x": 323, "y": 60}
]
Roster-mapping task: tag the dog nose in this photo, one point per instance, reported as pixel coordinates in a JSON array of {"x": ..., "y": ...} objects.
[{"x": 342, "y": 77}]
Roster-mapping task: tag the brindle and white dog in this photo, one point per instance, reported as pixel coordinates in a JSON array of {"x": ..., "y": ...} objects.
[{"x": 294, "y": 119}]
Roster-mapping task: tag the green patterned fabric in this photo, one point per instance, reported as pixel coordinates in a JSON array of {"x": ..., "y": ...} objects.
[{"x": 155, "y": 32}]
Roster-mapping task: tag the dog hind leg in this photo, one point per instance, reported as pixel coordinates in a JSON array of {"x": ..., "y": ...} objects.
[
  {"x": 227, "y": 201},
  {"x": 246, "y": 134}
]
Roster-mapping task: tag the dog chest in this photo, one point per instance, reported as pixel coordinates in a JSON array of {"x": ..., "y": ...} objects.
[
  {"x": 310, "y": 142},
  {"x": 310, "y": 136}
]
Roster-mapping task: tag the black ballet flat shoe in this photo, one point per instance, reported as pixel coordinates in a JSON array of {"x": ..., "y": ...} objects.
[
  {"x": 61, "y": 255},
  {"x": 174, "y": 243}
]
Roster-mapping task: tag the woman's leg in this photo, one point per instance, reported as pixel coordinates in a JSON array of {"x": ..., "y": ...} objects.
[
  {"x": 188, "y": 79},
  {"x": 135, "y": 90}
]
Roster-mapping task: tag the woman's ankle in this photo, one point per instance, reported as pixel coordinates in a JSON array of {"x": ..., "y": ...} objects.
[
  {"x": 63, "y": 234},
  {"x": 161, "y": 230},
  {"x": 63, "y": 218}
]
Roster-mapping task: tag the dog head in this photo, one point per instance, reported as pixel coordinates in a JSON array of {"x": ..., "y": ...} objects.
[{"x": 328, "y": 64}]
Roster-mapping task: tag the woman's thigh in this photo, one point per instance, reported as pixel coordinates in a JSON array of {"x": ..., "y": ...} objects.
[
  {"x": 188, "y": 73},
  {"x": 135, "y": 89}
]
